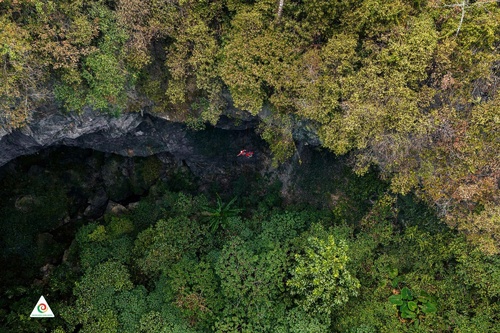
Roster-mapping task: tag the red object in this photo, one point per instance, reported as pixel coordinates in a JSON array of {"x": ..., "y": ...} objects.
[{"x": 246, "y": 153}]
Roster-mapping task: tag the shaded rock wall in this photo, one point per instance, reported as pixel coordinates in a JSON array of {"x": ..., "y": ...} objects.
[
  {"x": 130, "y": 134},
  {"x": 209, "y": 155}
]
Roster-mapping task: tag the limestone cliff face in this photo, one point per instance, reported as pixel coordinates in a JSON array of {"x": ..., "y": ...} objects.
[
  {"x": 209, "y": 154},
  {"x": 91, "y": 181},
  {"x": 130, "y": 134}
]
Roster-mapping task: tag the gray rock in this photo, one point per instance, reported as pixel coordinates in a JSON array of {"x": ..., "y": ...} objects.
[
  {"x": 133, "y": 205},
  {"x": 115, "y": 208},
  {"x": 130, "y": 134},
  {"x": 97, "y": 204}
]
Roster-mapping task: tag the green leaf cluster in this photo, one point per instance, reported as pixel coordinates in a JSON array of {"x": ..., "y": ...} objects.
[
  {"x": 321, "y": 278},
  {"x": 410, "y": 306}
]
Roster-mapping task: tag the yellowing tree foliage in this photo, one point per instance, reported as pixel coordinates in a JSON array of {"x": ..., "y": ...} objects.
[{"x": 410, "y": 87}]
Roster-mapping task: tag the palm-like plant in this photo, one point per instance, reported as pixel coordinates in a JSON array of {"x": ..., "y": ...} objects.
[{"x": 218, "y": 216}]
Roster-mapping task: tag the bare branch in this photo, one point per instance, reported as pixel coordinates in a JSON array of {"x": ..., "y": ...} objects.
[
  {"x": 280, "y": 9},
  {"x": 465, "y": 3},
  {"x": 461, "y": 18},
  {"x": 472, "y": 4}
]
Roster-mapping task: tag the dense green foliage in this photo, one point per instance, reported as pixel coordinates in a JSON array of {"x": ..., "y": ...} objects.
[
  {"x": 408, "y": 86},
  {"x": 390, "y": 266}
]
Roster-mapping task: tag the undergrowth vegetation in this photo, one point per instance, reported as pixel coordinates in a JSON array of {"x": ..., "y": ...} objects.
[{"x": 180, "y": 262}]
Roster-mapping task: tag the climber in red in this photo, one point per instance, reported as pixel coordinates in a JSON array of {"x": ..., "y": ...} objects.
[{"x": 246, "y": 153}]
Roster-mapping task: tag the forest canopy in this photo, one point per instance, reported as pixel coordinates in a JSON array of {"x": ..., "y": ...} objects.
[
  {"x": 410, "y": 87},
  {"x": 183, "y": 263}
]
